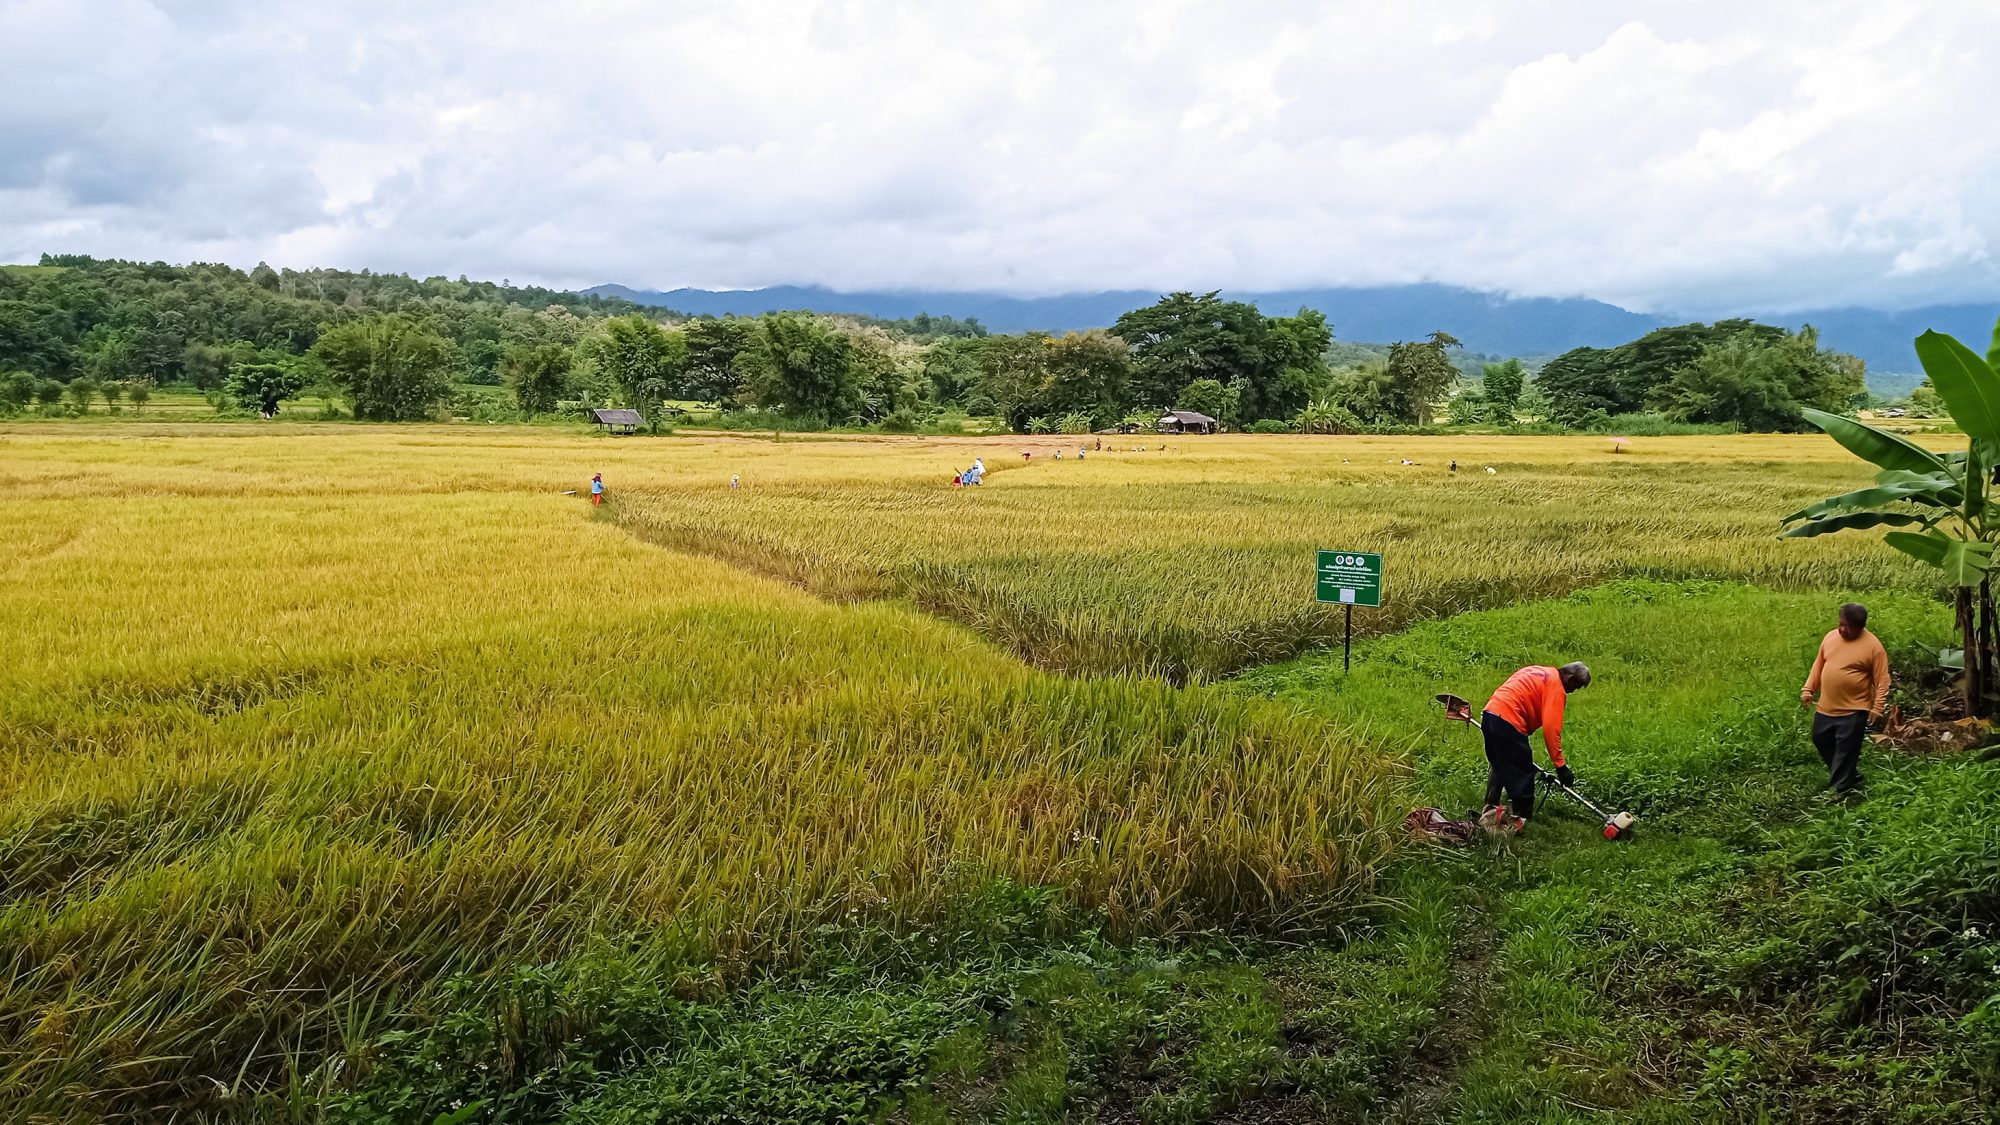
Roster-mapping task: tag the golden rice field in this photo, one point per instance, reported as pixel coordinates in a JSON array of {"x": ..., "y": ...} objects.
[
  {"x": 296, "y": 723},
  {"x": 298, "y": 720},
  {"x": 1196, "y": 559}
]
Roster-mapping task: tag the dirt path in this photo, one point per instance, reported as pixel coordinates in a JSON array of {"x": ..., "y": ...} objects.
[{"x": 1428, "y": 1084}]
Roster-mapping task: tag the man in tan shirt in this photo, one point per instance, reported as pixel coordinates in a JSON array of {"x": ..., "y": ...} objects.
[{"x": 1851, "y": 677}]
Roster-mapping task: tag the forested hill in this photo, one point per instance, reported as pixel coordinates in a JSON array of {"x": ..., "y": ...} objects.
[
  {"x": 1486, "y": 322},
  {"x": 73, "y": 314}
]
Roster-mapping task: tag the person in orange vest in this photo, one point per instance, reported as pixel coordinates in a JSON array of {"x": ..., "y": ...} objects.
[
  {"x": 1851, "y": 677},
  {"x": 1532, "y": 699}
]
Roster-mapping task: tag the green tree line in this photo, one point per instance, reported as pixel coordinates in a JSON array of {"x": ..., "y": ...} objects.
[{"x": 76, "y": 330}]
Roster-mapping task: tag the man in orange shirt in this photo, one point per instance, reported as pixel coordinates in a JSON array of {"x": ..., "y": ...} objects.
[
  {"x": 1851, "y": 677},
  {"x": 1532, "y": 699}
]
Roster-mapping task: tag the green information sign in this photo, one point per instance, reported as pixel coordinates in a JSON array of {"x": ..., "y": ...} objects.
[{"x": 1349, "y": 578}]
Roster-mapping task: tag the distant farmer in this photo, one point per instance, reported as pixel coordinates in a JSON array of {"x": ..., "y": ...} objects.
[
  {"x": 1532, "y": 699},
  {"x": 596, "y": 489},
  {"x": 1454, "y": 464},
  {"x": 1850, "y": 675}
]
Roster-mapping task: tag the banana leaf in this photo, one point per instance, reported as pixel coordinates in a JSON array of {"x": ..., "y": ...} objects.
[
  {"x": 1876, "y": 446},
  {"x": 1970, "y": 389},
  {"x": 1964, "y": 561},
  {"x": 1853, "y": 521},
  {"x": 1933, "y": 490}
]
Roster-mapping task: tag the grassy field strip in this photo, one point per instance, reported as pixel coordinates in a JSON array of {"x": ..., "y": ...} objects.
[{"x": 1684, "y": 976}]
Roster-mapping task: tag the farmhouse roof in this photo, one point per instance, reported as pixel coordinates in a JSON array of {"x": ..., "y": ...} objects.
[
  {"x": 617, "y": 417},
  {"x": 1185, "y": 416}
]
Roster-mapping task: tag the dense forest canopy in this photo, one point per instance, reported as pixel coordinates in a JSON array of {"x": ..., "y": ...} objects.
[
  {"x": 1754, "y": 375},
  {"x": 76, "y": 330}
]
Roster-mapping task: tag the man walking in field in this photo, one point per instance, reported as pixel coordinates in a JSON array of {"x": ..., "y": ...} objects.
[
  {"x": 1532, "y": 699},
  {"x": 1850, "y": 675},
  {"x": 596, "y": 489}
]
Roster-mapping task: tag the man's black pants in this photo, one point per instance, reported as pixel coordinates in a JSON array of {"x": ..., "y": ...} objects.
[
  {"x": 1510, "y": 765},
  {"x": 1839, "y": 739}
]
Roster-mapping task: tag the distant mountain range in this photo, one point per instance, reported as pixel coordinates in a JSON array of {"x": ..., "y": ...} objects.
[{"x": 1485, "y": 322}]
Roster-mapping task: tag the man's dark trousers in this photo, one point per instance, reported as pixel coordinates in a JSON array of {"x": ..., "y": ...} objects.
[
  {"x": 1510, "y": 764},
  {"x": 1839, "y": 738}
]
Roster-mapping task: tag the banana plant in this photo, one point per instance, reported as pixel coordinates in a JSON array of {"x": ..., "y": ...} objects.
[{"x": 1940, "y": 503}]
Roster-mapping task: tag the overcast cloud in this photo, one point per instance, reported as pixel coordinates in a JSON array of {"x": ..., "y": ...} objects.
[{"x": 1687, "y": 155}]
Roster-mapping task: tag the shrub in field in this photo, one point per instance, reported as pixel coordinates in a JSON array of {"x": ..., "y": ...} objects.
[
  {"x": 17, "y": 390},
  {"x": 81, "y": 391},
  {"x": 261, "y": 387},
  {"x": 1325, "y": 416},
  {"x": 1643, "y": 424}
]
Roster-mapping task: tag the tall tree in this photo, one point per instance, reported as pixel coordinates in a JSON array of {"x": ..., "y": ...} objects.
[
  {"x": 1088, "y": 373},
  {"x": 1582, "y": 382},
  {"x": 393, "y": 368},
  {"x": 1760, "y": 383},
  {"x": 538, "y": 374},
  {"x": 1295, "y": 369},
  {"x": 806, "y": 368},
  {"x": 1422, "y": 374},
  {"x": 1013, "y": 376},
  {"x": 952, "y": 366},
  {"x": 888, "y": 373},
  {"x": 717, "y": 371},
  {"x": 644, "y": 361},
  {"x": 1368, "y": 395},
  {"x": 1503, "y": 383},
  {"x": 1184, "y": 337}
]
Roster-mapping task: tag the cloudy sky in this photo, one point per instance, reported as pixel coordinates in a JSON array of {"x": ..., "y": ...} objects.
[{"x": 1688, "y": 156}]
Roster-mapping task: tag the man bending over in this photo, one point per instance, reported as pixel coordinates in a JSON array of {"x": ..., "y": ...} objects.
[{"x": 1532, "y": 699}]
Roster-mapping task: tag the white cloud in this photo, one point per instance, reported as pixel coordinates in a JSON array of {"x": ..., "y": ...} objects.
[{"x": 1691, "y": 155}]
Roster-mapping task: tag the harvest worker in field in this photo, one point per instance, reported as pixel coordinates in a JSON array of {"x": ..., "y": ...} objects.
[
  {"x": 1851, "y": 677},
  {"x": 596, "y": 489},
  {"x": 1532, "y": 699}
]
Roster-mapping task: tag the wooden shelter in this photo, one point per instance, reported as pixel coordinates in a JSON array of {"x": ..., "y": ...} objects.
[
  {"x": 1186, "y": 422},
  {"x": 618, "y": 421}
]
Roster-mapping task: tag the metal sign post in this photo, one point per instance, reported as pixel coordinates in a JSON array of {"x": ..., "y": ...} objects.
[{"x": 1349, "y": 579}]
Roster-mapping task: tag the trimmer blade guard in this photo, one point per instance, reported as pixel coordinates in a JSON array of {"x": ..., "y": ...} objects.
[{"x": 1455, "y": 708}]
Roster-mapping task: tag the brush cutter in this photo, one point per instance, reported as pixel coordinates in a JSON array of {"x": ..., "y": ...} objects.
[{"x": 1616, "y": 825}]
